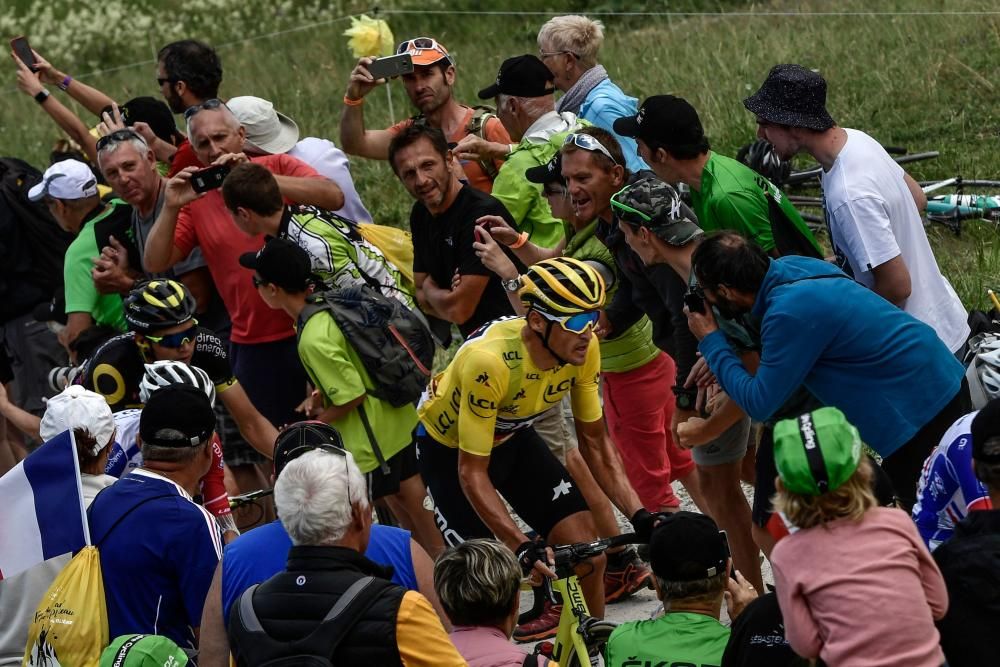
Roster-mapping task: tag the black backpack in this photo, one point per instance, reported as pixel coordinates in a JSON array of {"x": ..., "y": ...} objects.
[
  {"x": 395, "y": 347},
  {"x": 32, "y": 245},
  {"x": 255, "y": 648}
]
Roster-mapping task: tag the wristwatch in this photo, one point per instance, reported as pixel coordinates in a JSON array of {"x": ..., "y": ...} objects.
[
  {"x": 685, "y": 399},
  {"x": 512, "y": 285},
  {"x": 41, "y": 96}
]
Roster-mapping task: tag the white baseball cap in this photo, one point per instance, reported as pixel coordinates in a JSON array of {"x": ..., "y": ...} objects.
[
  {"x": 66, "y": 179},
  {"x": 267, "y": 130},
  {"x": 76, "y": 407}
]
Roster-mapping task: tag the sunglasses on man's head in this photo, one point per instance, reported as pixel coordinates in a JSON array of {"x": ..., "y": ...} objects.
[
  {"x": 117, "y": 137},
  {"x": 575, "y": 324},
  {"x": 419, "y": 44},
  {"x": 176, "y": 340},
  {"x": 588, "y": 143},
  {"x": 213, "y": 103}
]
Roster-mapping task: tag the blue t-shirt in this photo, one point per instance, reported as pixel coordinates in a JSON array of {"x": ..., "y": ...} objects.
[
  {"x": 263, "y": 552},
  {"x": 887, "y": 371},
  {"x": 157, "y": 559}
]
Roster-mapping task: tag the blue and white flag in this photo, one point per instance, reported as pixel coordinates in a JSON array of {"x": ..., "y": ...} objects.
[{"x": 41, "y": 507}]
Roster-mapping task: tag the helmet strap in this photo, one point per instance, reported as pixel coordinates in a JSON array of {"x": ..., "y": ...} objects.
[{"x": 545, "y": 340}]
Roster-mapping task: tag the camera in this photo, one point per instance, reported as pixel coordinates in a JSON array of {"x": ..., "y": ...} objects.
[{"x": 63, "y": 376}]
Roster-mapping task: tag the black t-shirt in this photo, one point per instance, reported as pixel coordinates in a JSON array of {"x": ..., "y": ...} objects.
[
  {"x": 758, "y": 637},
  {"x": 443, "y": 243},
  {"x": 116, "y": 368}
]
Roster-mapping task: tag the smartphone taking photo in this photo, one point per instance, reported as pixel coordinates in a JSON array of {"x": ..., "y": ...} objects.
[
  {"x": 23, "y": 51},
  {"x": 209, "y": 178},
  {"x": 390, "y": 66}
]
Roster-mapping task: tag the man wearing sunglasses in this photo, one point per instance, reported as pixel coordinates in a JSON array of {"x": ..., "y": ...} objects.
[
  {"x": 160, "y": 315},
  {"x": 188, "y": 73},
  {"x": 476, "y": 439},
  {"x": 429, "y": 88}
]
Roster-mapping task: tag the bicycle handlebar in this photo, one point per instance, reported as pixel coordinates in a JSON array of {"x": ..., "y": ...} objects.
[
  {"x": 246, "y": 498},
  {"x": 573, "y": 554}
]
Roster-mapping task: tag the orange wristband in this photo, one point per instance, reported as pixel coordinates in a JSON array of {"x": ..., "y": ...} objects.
[
  {"x": 521, "y": 240},
  {"x": 353, "y": 103}
]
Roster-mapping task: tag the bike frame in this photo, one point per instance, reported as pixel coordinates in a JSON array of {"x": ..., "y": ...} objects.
[{"x": 568, "y": 640}]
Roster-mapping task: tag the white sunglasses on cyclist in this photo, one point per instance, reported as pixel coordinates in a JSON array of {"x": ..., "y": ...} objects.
[{"x": 575, "y": 324}]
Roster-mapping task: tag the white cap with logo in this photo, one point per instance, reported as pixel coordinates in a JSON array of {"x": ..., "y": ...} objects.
[
  {"x": 66, "y": 179},
  {"x": 76, "y": 407},
  {"x": 267, "y": 130}
]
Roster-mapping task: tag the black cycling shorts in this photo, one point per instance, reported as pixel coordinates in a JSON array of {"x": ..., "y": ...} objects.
[
  {"x": 766, "y": 471},
  {"x": 522, "y": 469},
  {"x": 402, "y": 466}
]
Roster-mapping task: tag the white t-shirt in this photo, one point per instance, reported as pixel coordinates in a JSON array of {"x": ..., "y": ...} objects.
[
  {"x": 323, "y": 156},
  {"x": 873, "y": 219}
]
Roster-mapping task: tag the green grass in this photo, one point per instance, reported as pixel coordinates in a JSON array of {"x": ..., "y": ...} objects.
[{"x": 924, "y": 82}]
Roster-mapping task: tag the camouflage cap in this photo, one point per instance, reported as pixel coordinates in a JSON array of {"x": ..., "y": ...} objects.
[{"x": 651, "y": 203}]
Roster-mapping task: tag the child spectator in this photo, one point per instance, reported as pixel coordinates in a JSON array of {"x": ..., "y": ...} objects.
[{"x": 855, "y": 583}]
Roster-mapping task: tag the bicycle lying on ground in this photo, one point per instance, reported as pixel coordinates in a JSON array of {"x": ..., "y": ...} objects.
[{"x": 581, "y": 638}]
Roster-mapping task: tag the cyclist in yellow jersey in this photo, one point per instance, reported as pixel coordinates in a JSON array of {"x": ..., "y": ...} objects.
[{"x": 476, "y": 421}]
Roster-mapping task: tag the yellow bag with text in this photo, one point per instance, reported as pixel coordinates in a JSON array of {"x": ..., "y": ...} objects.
[
  {"x": 395, "y": 244},
  {"x": 70, "y": 627}
]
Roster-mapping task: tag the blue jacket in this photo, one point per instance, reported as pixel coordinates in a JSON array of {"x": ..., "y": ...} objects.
[
  {"x": 888, "y": 372},
  {"x": 604, "y": 104}
]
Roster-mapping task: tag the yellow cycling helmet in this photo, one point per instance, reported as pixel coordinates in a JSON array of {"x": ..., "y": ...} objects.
[
  {"x": 158, "y": 304},
  {"x": 562, "y": 286}
]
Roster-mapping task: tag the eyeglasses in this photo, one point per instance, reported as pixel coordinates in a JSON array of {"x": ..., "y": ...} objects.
[
  {"x": 542, "y": 55},
  {"x": 117, "y": 137},
  {"x": 588, "y": 143},
  {"x": 258, "y": 281},
  {"x": 626, "y": 213},
  {"x": 176, "y": 340},
  {"x": 575, "y": 324},
  {"x": 330, "y": 447},
  {"x": 213, "y": 103}
]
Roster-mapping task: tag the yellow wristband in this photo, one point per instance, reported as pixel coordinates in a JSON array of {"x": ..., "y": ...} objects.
[{"x": 353, "y": 103}]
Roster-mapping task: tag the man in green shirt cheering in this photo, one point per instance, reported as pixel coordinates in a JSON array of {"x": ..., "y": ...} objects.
[
  {"x": 69, "y": 189},
  {"x": 725, "y": 194}
]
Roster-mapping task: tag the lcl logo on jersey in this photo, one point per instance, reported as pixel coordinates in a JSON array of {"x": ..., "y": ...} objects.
[
  {"x": 553, "y": 394},
  {"x": 481, "y": 407}
]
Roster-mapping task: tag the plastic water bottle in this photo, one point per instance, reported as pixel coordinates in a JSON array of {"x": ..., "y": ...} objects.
[{"x": 982, "y": 202}]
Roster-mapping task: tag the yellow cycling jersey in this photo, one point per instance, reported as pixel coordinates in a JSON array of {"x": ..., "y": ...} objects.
[{"x": 492, "y": 389}]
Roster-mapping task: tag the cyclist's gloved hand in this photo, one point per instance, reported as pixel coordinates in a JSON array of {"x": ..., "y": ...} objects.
[
  {"x": 528, "y": 553},
  {"x": 643, "y": 522}
]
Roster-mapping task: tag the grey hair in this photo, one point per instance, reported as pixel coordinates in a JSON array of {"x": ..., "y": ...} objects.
[
  {"x": 315, "y": 495},
  {"x": 136, "y": 141},
  {"x": 699, "y": 590},
  {"x": 574, "y": 34},
  {"x": 989, "y": 473},
  {"x": 172, "y": 454},
  {"x": 477, "y": 582},
  {"x": 231, "y": 118}
]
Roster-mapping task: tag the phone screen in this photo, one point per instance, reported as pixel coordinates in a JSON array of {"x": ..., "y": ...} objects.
[{"x": 23, "y": 51}]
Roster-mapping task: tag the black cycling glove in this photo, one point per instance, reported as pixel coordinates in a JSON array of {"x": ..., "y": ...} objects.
[
  {"x": 529, "y": 552},
  {"x": 643, "y": 522}
]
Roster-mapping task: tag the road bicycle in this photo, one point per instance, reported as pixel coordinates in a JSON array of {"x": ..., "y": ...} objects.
[{"x": 581, "y": 638}]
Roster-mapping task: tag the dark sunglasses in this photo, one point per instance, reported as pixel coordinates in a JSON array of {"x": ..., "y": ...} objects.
[
  {"x": 213, "y": 103},
  {"x": 419, "y": 43},
  {"x": 167, "y": 80},
  {"x": 118, "y": 136},
  {"x": 258, "y": 281},
  {"x": 176, "y": 340}
]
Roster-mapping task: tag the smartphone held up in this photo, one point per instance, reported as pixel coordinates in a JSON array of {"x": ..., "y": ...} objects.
[{"x": 23, "y": 51}]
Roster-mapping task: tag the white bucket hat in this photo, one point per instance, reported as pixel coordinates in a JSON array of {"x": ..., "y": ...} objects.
[
  {"x": 267, "y": 130},
  {"x": 76, "y": 407}
]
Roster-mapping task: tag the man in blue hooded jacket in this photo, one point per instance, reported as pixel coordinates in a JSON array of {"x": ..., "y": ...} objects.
[{"x": 887, "y": 371}]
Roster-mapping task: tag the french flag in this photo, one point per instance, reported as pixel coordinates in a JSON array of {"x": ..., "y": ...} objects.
[{"x": 41, "y": 507}]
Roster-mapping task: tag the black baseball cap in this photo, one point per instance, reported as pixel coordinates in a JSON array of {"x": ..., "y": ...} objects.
[
  {"x": 521, "y": 76},
  {"x": 280, "y": 262},
  {"x": 687, "y": 546},
  {"x": 985, "y": 426},
  {"x": 550, "y": 172},
  {"x": 664, "y": 120},
  {"x": 177, "y": 415},
  {"x": 296, "y": 439},
  {"x": 154, "y": 113}
]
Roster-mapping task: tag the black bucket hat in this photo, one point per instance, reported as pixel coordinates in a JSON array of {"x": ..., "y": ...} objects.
[{"x": 792, "y": 95}]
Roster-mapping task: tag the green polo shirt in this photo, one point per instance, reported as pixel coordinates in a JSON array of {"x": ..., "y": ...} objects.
[
  {"x": 735, "y": 197},
  {"x": 679, "y": 638},
  {"x": 81, "y": 294},
  {"x": 338, "y": 374}
]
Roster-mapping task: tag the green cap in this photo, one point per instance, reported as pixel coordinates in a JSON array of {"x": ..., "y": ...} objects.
[
  {"x": 817, "y": 452},
  {"x": 651, "y": 203},
  {"x": 143, "y": 651}
]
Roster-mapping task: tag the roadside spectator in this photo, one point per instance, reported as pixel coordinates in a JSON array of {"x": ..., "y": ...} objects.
[
  {"x": 262, "y": 342},
  {"x": 142, "y": 651},
  {"x": 88, "y": 416},
  {"x": 757, "y": 637},
  {"x": 339, "y": 255},
  {"x": 691, "y": 566},
  {"x": 725, "y": 194},
  {"x": 430, "y": 89},
  {"x": 887, "y": 371},
  {"x": 872, "y": 205},
  {"x": 970, "y": 560},
  {"x": 261, "y": 553},
  {"x": 373, "y": 430},
  {"x": 321, "y": 501},
  {"x": 158, "y": 548},
  {"x": 878, "y": 592},
  {"x": 478, "y": 583},
  {"x": 69, "y": 189},
  {"x": 270, "y": 132},
  {"x": 189, "y": 73},
  {"x": 523, "y": 92},
  {"x": 443, "y": 223},
  {"x": 568, "y": 46}
]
